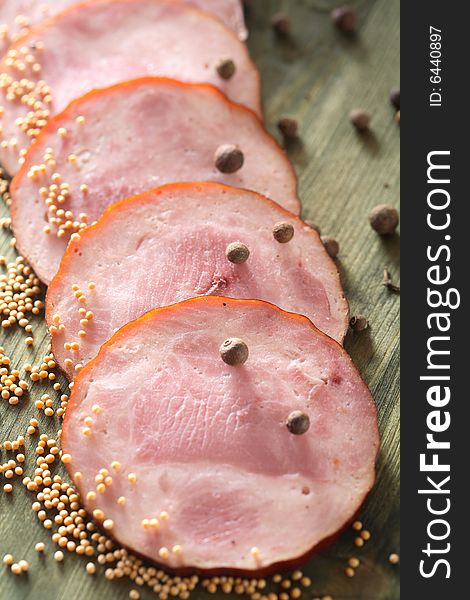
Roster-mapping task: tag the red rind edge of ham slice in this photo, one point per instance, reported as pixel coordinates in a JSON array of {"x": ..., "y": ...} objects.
[
  {"x": 169, "y": 245},
  {"x": 102, "y": 42},
  {"x": 208, "y": 442},
  {"x": 34, "y": 12},
  {"x": 139, "y": 135}
]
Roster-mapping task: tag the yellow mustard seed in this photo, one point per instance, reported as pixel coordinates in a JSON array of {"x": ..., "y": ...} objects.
[{"x": 354, "y": 562}]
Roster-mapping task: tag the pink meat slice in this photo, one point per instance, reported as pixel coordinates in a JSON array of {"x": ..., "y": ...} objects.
[
  {"x": 137, "y": 136},
  {"x": 18, "y": 16},
  {"x": 207, "y": 443},
  {"x": 102, "y": 42},
  {"x": 169, "y": 245}
]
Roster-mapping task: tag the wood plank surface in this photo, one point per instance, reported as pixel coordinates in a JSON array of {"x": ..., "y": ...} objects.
[{"x": 316, "y": 75}]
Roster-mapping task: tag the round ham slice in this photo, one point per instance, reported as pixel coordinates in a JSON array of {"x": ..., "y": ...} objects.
[
  {"x": 136, "y": 136},
  {"x": 200, "y": 468},
  {"x": 18, "y": 16},
  {"x": 102, "y": 42},
  {"x": 169, "y": 245}
]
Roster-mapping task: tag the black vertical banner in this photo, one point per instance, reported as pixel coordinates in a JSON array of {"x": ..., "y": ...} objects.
[{"x": 435, "y": 321}]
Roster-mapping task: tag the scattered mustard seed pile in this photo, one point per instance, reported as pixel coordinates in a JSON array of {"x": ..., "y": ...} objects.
[
  {"x": 12, "y": 387},
  {"x": 23, "y": 28},
  {"x": 55, "y": 192},
  {"x": 19, "y": 288},
  {"x": 19, "y": 88},
  {"x": 85, "y": 317}
]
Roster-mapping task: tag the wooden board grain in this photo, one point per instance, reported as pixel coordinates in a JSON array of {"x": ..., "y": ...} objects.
[{"x": 316, "y": 75}]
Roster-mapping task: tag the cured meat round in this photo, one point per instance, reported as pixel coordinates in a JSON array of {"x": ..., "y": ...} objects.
[
  {"x": 128, "y": 139},
  {"x": 171, "y": 244},
  {"x": 209, "y": 465},
  {"x": 18, "y": 16},
  {"x": 102, "y": 42}
]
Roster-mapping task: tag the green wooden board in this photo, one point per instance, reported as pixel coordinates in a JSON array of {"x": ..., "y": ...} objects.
[{"x": 317, "y": 75}]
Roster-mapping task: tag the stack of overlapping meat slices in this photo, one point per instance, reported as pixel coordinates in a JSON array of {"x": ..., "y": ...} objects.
[{"x": 200, "y": 318}]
